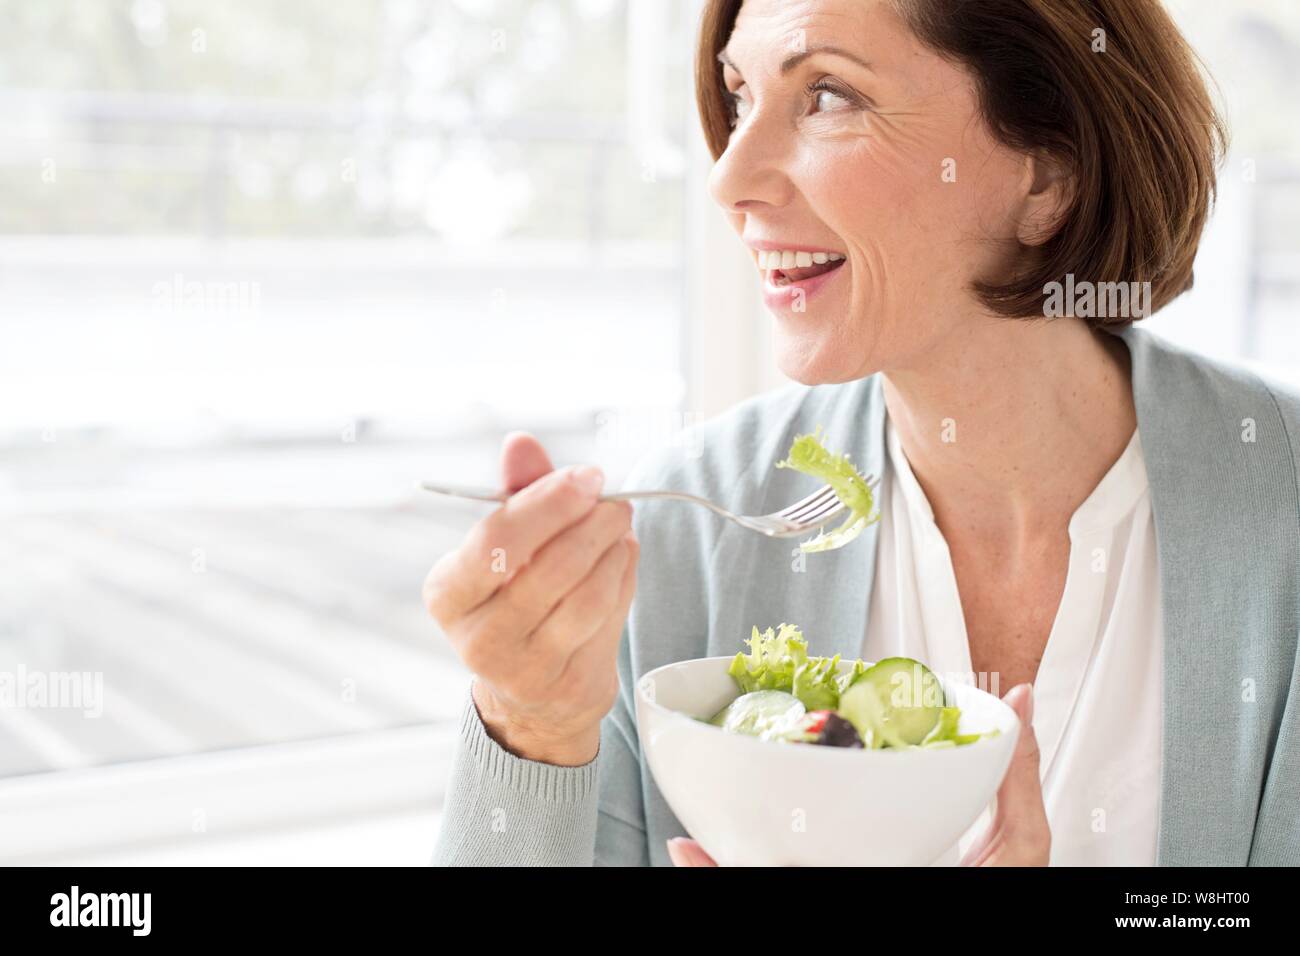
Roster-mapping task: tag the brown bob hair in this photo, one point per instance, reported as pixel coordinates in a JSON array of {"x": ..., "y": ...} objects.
[{"x": 1135, "y": 126}]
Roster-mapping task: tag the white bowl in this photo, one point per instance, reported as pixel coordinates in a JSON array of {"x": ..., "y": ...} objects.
[{"x": 751, "y": 802}]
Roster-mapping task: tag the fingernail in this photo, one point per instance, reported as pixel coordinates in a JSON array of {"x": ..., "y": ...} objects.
[
  {"x": 1029, "y": 705},
  {"x": 589, "y": 478},
  {"x": 674, "y": 853}
]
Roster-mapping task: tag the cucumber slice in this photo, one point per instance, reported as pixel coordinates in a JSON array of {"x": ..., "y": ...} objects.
[
  {"x": 895, "y": 703},
  {"x": 760, "y": 713}
]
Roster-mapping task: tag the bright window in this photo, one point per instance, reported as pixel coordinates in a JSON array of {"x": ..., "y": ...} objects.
[{"x": 265, "y": 266}]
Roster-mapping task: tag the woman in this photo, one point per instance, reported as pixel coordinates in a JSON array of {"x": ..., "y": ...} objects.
[{"x": 1067, "y": 501}]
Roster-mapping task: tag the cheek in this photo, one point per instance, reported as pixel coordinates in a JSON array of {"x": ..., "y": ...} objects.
[
  {"x": 921, "y": 223},
  {"x": 903, "y": 201}
]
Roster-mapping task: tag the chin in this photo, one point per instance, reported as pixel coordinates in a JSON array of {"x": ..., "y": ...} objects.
[{"x": 815, "y": 360}]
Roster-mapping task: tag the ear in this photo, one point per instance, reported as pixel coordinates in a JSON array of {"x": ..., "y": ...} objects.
[{"x": 1049, "y": 192}]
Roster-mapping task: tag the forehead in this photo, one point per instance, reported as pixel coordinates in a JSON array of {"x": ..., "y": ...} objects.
[{"x": 767, "y": 31}]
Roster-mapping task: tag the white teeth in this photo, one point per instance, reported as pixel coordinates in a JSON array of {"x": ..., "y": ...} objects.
[
  {"x": 773, "y": 259},
  {"x": 793, "y": 258}
]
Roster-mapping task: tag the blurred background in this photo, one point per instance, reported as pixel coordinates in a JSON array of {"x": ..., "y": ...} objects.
[{"x": 264, "y": 264}]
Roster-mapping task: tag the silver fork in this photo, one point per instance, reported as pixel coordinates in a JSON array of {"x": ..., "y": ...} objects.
[{"x": 808, "y": 514}]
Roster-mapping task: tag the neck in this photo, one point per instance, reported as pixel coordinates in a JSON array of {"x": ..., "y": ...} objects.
[{"x": 1011, "y": 424}]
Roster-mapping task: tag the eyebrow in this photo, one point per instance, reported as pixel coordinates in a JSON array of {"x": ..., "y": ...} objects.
[{"x": 790, "y": 62}]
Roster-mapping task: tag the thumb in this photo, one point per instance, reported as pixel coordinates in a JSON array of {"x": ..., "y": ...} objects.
[
  {"x": 1020, "y": 797},
  {"x": 684, "y": 852},
  {"x": 523, "y": 461}
]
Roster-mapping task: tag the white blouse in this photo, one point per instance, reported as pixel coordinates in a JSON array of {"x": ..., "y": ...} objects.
[{"x": 1097, "y": 696}]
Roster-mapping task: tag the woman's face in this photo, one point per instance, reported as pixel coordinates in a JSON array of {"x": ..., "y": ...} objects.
[{"x": 878, "y": 153}]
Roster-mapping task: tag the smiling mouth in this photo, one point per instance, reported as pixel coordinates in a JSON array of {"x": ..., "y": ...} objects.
[{"x": 782, "y": 277}]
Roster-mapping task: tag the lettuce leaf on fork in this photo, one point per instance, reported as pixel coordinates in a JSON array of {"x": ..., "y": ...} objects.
[{"x": 808, "y": 455}]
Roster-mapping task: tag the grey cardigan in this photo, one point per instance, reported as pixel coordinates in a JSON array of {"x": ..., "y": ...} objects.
[{"x": 1222, "y": 451}]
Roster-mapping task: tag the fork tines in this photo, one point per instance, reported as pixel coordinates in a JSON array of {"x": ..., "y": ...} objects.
[{"x": 815, "y": 505}]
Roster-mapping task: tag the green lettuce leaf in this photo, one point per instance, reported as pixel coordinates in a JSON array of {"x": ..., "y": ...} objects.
[
  {"x": 807, "y": 455},
  {"x": 850, "y": 678},
  {"x": 945, "y": 733},
  {"x": 778, "y": 660},
  {"x": 772, "y": 660},
  {"x": 946, "y": 728},
  {"x": 816, "y": 683}
]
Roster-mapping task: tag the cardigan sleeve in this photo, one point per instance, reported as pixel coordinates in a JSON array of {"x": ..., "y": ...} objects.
[{"x": 504, "y": 810}]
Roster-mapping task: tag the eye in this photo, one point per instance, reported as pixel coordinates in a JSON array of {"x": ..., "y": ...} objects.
[
  {"x": 829, "y": 97},
  {"x": 738, "y": 104}
]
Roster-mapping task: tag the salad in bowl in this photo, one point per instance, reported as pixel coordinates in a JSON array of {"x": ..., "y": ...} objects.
[
  {"x": 775, "y": 757},
  {"x": 786, "y": 695}
]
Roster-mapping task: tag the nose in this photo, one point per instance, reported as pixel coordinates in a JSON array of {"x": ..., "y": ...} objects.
[{"x": 751, "y": 170}]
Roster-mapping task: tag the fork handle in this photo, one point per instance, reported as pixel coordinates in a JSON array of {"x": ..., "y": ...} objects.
[
  {"x": 633, "y": 495},
  {"x": 473, "y": 492},
  {"x": 480, "y": 493}
]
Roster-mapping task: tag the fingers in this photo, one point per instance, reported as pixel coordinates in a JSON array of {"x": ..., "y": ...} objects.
[
  {"x": 684, "y": 852},
  {"x": 1019, "y": 833},
  {"x": 597, "y": 654},
  {"x": 523, "y": 461},
  {"x": 1021, "y": 814},
  {"x": 978, "y": 851},
  {"x": 584, "y": 610},
  {"x": 508, "y": 539},
  {"x": 627, "y": 587},
  {"x": 608, "y": 641},
  {"x": 561, "y": 565},
  {"x": 1022, "y": 788},
  {"x": 551, "y": 573}
]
